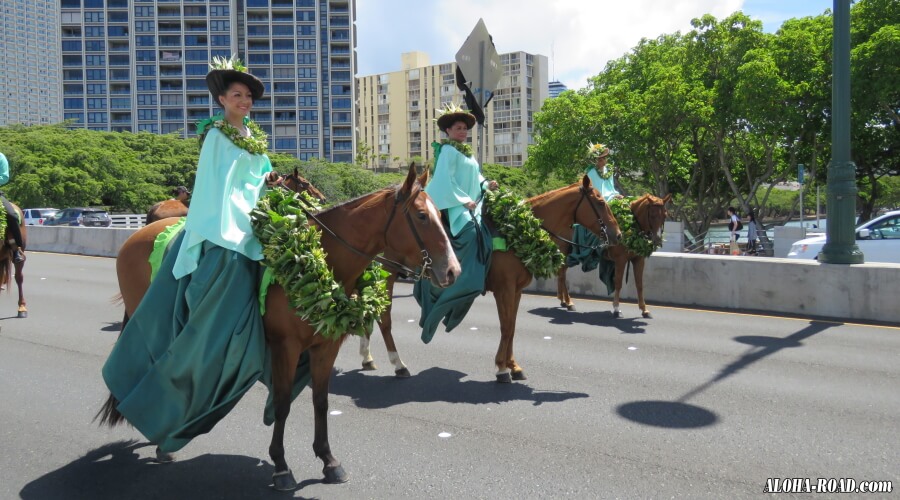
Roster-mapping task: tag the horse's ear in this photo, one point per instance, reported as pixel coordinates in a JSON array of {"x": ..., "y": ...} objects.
[
  {"x": 425, "y": 177},
  {"x": 296, "y": 172},
  {"x": 410, "y": 180},
  {"x": 667, "y": 199},
  {"x": 586, "y": 182}
]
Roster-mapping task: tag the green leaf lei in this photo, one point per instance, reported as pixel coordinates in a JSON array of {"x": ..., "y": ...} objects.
[
  {"x": 462, "y": 147},
  {"x": 636, "y": 241},
  {"x": 3, "y": 225},
  {"x": 255, "y": 144},
  {"x": 293, "y": 250},
  {"x": 516, "y": 222}
]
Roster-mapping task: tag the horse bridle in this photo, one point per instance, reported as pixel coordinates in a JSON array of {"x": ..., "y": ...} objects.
[
  {"x": 399, "y": 268},
  {"x": 603, "y": 230},
  {"x": 304, "y": 184}
]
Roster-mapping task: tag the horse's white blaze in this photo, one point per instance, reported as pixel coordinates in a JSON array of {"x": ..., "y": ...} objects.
[
  {"x": 364, "y": 349},
  {"x": 396, "y": 361}
]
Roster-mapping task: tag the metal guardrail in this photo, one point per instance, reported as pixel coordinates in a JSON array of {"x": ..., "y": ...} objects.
[{"x": 128, "y": 220}]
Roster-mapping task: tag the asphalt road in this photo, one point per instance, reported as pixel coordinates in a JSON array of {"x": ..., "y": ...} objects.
[{"x": 691, "y": 404}]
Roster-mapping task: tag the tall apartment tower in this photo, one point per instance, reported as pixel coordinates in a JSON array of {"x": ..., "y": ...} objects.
[
  {"x": 30, "y": 52},
  {"x": 140, "y": 65},
  {"x": 557, "y": 88},
  {"x": 397, "y": 110}
]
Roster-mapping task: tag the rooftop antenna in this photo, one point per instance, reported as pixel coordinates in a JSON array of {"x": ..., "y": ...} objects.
[{"x": 552, "y": 61}]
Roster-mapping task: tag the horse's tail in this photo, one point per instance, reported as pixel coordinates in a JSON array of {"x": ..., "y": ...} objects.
[
  {"x": 5, "y": 269},
  {"x": 108, "y": 413},
  {"x": 117, "y": 300}
]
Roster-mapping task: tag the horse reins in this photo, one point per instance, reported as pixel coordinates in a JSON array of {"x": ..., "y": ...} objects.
[
  {"x": 399, "y": 268},
  {"x": 584, "y": 194}
]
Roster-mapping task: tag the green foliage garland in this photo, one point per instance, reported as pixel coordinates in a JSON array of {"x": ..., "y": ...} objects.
[
  {"x": 293, "y": 249},
  {"x": 635, "y": 240},
  {"x": 3, "y": 225},
  {"x": 514, "y": 219},
  {"x": 255, "y": 144},
  {"x": 462, "y": 147}
]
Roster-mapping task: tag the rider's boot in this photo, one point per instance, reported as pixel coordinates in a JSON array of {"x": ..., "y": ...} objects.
[{"x": 18, "y": 254}]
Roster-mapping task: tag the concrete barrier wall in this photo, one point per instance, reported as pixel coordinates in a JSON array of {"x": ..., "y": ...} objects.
[{"x": 864, "y": 292}]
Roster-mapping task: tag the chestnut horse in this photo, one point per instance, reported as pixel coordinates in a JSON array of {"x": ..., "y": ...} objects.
[
  {"x": 650, "y": 216},
  {"x": 177, "y": 208},
  {"x": 507, "y": 277},
  {"x": 7, "y": 265},
  {"x": 362, "y": 228}
]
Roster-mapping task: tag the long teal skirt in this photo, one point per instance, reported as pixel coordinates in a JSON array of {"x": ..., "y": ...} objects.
[
  {"x": 193, "y": 347},
  {"x": 472, "y": 247}
]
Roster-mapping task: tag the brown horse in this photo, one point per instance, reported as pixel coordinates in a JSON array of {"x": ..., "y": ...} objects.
[
  {"x": 177, "y": 208},
  {"x": 507, "y": 277},
  {"x": 362, "y": 228},
  {"x": 7, "y": 265},
  {"x": 650, "y": 215}
]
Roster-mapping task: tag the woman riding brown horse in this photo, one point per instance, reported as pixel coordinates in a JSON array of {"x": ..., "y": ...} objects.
[
  {"x": 7, "y": 264},
  {"x": 415, "y": 236},
  {"x": 507, "y": 276},
  {"x": 650, "y": 215},
  {"x": 178, "y": 208}
]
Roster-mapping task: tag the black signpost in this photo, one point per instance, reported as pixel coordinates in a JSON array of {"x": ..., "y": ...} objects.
[{"x": 478, "y": 71}]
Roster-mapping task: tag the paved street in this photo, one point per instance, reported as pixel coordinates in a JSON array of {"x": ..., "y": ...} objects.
[{"x": 690, "y": 404}]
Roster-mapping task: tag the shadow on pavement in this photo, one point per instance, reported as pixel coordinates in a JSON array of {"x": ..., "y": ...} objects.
[
  {"x": 116, "y": 471},
  {"x": 436, "y": 385},
  {"x": 560, "y": 316},
  {"x": 667, "y": 414}
]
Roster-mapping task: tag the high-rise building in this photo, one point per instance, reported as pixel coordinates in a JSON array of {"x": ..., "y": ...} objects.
[
  {"x": 140, "y": 65},
  {"x": 29, "y": 45},
  {"x": 397, "y": 110},
  {"x": 557, "y": 88}
]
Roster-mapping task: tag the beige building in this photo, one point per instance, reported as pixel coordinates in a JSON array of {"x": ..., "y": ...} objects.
[{"x": 396, "y": 111}]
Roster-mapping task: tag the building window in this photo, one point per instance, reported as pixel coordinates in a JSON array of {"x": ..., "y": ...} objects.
[
  {"x": 77, "y": 117},
  {"x": 95, "y": 74},
  {"x": 146, "y": 70},
  {"x": 147, "y": 114},
  {"x": 96, "y": 103},
  {"x": 96, "y": 88},
  {"x": 146, "y": 99},
  {"x": 95, "y": 60},
  {"x": 96, "y": 117},
  {"x": 146, "y": 84},
  {"x": 219, "y": 25},
  {"x": 149, "y": 127},
  {"x": 220, "y": 40},
  {"x": 73, "y": 103},
  {"x": 282, "y": 58},
  {"x": 93, "y": 17},
  {"x": 286, "y": 143},
  {"x": 145, "y": 55}
]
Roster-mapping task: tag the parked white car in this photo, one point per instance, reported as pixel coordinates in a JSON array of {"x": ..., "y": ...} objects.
[
  {"x": 879, "y": 240},
  {"x": 37, "y": 216}
]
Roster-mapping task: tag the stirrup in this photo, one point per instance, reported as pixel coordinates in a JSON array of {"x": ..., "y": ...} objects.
[{"x": 18, "y": 256}]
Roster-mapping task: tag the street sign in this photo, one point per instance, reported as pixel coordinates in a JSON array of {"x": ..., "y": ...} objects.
[
  {"x": 800, "y": 173},
  {"x": 479, "y": 63}
]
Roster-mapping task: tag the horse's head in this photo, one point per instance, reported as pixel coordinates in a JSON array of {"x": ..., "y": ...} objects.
[
  {"x": 417, "y": 236},
  {"x": 298, "y": 184},
  {"x": 650, "y": 213},
  {"x": 594, "y": 213}
]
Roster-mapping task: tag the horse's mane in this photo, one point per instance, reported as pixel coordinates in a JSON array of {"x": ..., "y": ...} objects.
[
  {"x": 374, "y": 198},
  {"x": 554, "y": 192}
]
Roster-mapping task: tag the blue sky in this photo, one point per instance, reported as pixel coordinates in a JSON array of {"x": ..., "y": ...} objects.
[{"x": 579, "y": 36}]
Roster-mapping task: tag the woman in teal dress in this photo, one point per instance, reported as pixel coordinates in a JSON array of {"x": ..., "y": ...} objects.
[
  {"x": 196, "y": 344},
  {"x": 600, "y": 173},
  {"x": 457, "y": 188}
]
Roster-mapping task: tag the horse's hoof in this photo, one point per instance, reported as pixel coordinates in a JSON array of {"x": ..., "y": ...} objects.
[
  {"x": 163, "y": 457},
  {"x": 402, "y": 373},
  {"x": 646, "y": 314},
  {"x": 284, "y": 481},
  {"x": 369, "y": 366},
  {"x": 504, "y": 378},
  {"x": 563, "y": 304},
  {"x": 617, "y": 314},
  {"x": 519, "y": 375},
  {"x": 570, "y": 307},
  {"x": 335, "y": 475},
  {"x": 23, "y": 314}
]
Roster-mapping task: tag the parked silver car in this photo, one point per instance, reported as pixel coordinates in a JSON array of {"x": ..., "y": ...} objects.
[{"x": 879, "y": 240}]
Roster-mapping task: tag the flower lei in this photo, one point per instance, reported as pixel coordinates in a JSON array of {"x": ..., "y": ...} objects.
[
  {"x": 606, "y": 173},
  {"x": 516, "y": 222},
  {"x": 293, "y": 250},
  {"x": 635, "y": 241},
  {"x": 255, "y": 144},
  {"x": 462, "y": 147}
]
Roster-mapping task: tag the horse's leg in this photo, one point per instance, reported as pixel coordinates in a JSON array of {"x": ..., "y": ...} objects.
[
  {"x": 507, "y": 300},
  {"x": 385, "y": 325},
  {"x": 621, "y": 264},
  {"x": 285, "y": 355},
  {"x": 639, "y": 284},
  {"x": 321, "y": 361},
  {"x": 20, "y": 278},
  {"x": 562, "y": 290}
]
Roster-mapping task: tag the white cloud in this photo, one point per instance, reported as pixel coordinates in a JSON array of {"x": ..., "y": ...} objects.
[{"x": 582, "y": 34}]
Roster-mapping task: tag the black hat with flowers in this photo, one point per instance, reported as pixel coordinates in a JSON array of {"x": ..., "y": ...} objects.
[
  {"x": 223, "y": 72},
  {"x": 452, "y": 113}
]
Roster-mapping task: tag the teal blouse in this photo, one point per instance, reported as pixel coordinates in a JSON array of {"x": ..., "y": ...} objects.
[
  {"x": 229, "y": 182},
  {"x": 607, "y": 187},
  {"x": 457, "y": 181},
  {"x": 4, "y": 170}
]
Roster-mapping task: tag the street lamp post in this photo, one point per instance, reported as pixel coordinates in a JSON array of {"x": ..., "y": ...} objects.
[{"x": 840, "y": 241}]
